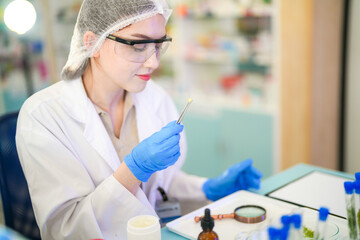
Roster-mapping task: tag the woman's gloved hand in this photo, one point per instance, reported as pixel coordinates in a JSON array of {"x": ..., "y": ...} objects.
[
  {"x": 240, "y": 176},
  {"x": 155, "y": 153}
]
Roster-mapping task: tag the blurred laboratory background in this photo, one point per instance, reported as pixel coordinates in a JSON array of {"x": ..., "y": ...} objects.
[{"x": 271, "y": 80}]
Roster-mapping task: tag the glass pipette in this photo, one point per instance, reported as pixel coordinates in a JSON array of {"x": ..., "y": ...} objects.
[{"x": 184, "y": 111}]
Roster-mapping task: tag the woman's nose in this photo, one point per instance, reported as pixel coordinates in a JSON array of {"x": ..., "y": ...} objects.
[{"x": 152, "y": 62}]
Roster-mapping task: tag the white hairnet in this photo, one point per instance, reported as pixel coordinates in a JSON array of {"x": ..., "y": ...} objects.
[{"x": 104, "y": 17}]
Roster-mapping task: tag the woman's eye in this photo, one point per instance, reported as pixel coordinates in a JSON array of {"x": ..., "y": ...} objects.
[
  {"x": 139, "y": 47},
  {"x": 158, "y": 46}
]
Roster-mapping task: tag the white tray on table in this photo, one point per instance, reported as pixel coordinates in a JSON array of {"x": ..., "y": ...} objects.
[{"x": 229, "y": 228}]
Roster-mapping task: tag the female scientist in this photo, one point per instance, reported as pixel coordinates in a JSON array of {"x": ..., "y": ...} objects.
[{"x": 95, "y": 146}]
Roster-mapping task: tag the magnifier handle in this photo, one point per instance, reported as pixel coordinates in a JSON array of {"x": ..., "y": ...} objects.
[{"x": 219, "y": 216}]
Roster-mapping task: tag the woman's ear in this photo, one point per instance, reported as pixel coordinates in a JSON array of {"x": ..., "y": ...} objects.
[{"x": 89, "y": 39}]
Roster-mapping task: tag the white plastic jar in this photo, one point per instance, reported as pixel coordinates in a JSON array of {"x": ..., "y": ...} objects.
[{"x": 144, "y": 227}]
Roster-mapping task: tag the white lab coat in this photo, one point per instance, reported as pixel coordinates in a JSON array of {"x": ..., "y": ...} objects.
[{"x": 69, "y": 160}]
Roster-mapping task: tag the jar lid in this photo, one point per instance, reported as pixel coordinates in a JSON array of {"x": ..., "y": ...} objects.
[{"x": 143, "y": 224}]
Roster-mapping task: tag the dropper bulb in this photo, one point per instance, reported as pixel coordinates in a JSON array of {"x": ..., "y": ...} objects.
[
  {"x": 285, "y": 220},
  {"x": 207, "y": 222},
  {"x": 357, "y": 186},
  {"x": 296, "y": 219},
  {"x": 349, "y": 187},
  {"x": 357, "y": 176},
  {"x": 323, "y": 214},
  {"x": 207, "y": 213},
  {"x": 273, "y": 233}
]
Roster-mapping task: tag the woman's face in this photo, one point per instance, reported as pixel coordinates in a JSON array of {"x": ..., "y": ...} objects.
[{"x": 122, "y": 73}]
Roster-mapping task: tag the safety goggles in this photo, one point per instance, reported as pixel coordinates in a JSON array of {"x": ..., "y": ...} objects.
[{"x": 140, "y": 51}]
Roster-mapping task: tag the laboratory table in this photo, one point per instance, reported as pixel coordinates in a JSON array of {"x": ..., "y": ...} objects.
[{"x": 270, "y": 184}]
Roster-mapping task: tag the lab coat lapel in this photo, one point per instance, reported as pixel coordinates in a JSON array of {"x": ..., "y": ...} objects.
[
  {"x": 147, "y": 123},
  {"x": 98, "y": 137},
  {"x": 81, "y": 108}
]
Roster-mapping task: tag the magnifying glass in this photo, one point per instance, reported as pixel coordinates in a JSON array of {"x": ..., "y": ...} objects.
[{"x": 244, "y": 214}]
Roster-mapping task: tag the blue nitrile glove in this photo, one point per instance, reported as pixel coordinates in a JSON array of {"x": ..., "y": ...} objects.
[
  {"x": 240, "y": 176},
  {"x": 155, "y": 153}
]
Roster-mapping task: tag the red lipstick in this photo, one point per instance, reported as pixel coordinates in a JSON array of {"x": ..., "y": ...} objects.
[{"x": 145, "y": 77}]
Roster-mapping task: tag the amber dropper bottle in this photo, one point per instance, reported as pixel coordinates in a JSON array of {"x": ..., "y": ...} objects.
[{"x": 207, "y": 224}]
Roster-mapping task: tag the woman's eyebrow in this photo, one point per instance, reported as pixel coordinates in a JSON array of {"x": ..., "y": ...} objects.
[{"x": 139, "y": 35}]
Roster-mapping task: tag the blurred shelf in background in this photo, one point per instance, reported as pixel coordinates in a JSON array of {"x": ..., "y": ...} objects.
[{"x": 222, "y": 56}]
